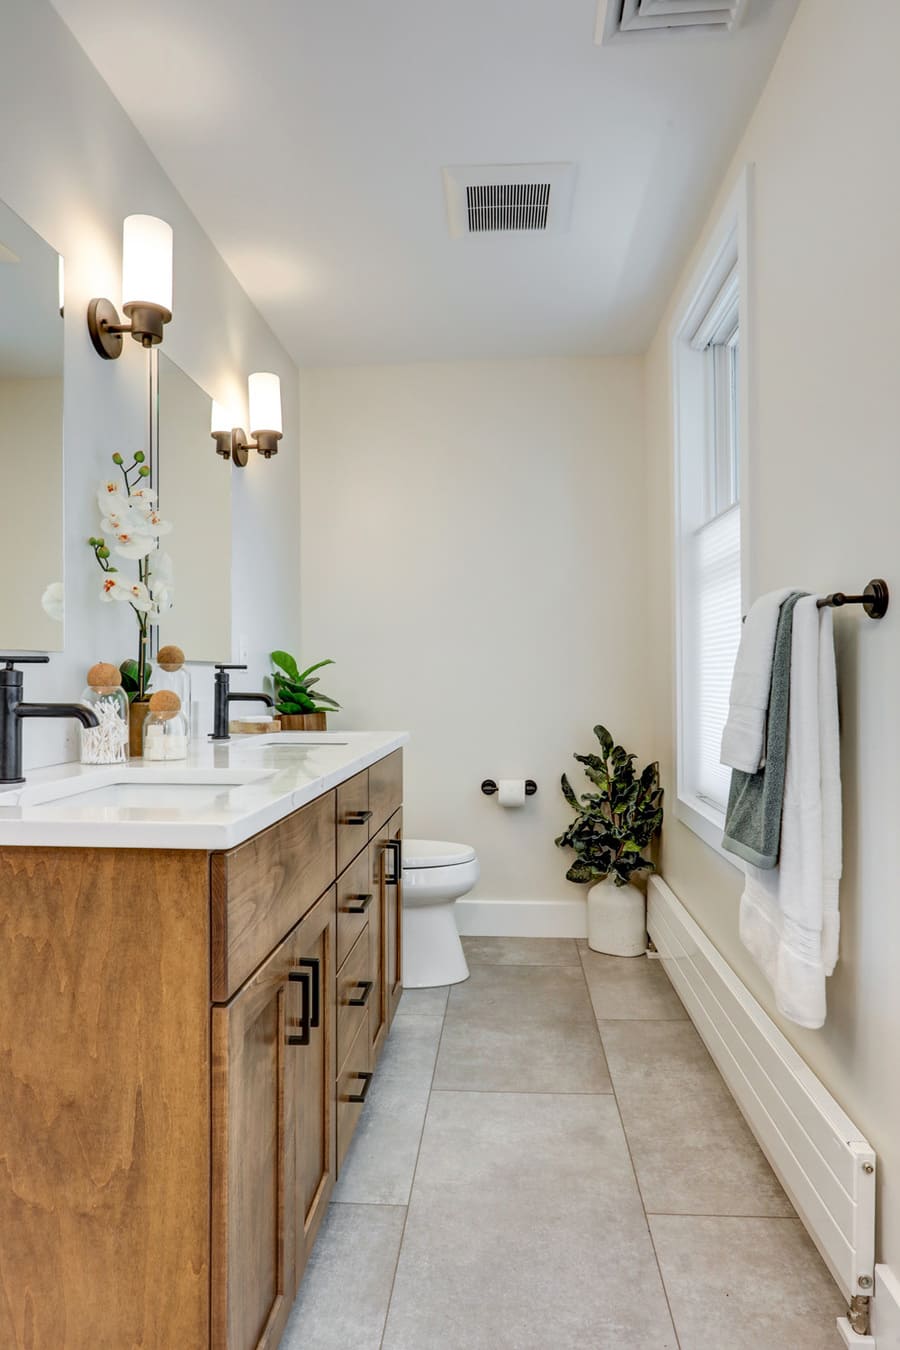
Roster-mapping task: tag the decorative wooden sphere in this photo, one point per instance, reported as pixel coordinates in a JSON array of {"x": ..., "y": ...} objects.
[
  {"x": 170, "y": 658},
  {"x": 104, "y": 676}
]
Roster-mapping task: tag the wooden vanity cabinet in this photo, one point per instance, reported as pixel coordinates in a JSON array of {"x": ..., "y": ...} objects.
[{"x": 186, "y": 1043}]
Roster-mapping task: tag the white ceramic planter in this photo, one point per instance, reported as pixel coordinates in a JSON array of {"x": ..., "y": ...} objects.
[{"x": 617, "y": 919}]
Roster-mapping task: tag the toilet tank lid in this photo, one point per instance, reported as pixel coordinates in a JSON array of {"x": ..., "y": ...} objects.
[{"x": 435, "y": 853}]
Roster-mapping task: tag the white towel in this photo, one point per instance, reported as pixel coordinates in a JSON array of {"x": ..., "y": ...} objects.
[
  {"x": 789, "y": 916},
  {"x": 744, "y": 737}
]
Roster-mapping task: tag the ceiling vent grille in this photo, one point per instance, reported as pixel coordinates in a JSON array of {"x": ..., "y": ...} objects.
[
  {"x": 635, "y": 18},
  {"x": 515, "y": 206},
  {"x": 508, "y": 198}
]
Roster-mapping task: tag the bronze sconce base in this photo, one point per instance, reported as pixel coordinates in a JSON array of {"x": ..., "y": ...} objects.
[
  {"x": 146, "y": 327},
  {"x": 236, "y": 446}
]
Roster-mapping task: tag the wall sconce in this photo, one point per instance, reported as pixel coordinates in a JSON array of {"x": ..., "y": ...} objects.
[
  {"x": 265, "y": 422},
  {"x": 146, "y": 289}
]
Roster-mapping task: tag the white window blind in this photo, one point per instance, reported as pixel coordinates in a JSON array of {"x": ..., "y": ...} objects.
[{"x": 712, "y": 634}]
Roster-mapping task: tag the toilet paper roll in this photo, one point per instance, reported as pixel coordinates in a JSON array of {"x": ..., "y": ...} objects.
[{"x": 511, "y": 792}]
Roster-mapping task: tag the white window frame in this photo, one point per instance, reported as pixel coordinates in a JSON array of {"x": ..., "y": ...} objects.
[{"x": 720, "y": 279}]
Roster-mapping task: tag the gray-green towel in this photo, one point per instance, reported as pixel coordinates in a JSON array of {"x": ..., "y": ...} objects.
[{"x": 753, "y": 818}]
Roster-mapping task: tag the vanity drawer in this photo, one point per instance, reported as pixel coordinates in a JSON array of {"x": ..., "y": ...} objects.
[
  {"x": 352, "y": 1087},
  {"x": 352, "y": 818},
  {"x": 355, "y": 986},
  {"x": 357, "y": 899},
  {"x": 260, "y": 889},
  {"x": 385, "y": 790}
]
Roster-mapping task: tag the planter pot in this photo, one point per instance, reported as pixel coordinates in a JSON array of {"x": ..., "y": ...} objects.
[
  {"x": 617, "y": 919},
  {"x": 137, "y": 712},
  {"x": 303, "y": 721}
]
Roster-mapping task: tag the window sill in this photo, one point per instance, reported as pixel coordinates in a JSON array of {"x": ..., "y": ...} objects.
[{"x": 707, "y": 823}]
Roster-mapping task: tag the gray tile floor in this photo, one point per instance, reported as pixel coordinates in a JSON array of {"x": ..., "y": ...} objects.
[{"x": 549, "y": 1160}]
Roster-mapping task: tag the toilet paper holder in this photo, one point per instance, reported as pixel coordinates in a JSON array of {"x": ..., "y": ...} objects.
[{"x": 489, "y": 787}]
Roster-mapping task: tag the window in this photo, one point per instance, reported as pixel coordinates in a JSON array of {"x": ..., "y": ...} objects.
[{"x": 708, "y": 425}]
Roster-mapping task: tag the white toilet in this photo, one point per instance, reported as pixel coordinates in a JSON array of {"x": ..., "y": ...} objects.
[{"x": 435, "y": 875}]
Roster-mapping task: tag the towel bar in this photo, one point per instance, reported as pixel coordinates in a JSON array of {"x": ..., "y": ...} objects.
[{"x": 874, "y": 599}]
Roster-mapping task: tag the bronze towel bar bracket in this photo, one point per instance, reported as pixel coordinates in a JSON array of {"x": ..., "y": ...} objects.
[{"x": 874, "y": 599}]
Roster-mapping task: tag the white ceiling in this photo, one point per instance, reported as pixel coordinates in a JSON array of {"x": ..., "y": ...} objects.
[{"x": 309, "y": 139}]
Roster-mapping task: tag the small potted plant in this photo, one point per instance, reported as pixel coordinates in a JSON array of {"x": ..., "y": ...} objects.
[
  {"x": 300, "y": 706},
  {"x": 612, "y": 827}
]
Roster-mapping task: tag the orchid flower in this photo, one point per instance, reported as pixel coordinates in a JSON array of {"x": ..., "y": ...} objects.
[
  {"x": 162, "y": 584},
  {"x": 130, "y": 544},
  {"x": 135, "y": 594},
  {"x": 54, "y": 601}
]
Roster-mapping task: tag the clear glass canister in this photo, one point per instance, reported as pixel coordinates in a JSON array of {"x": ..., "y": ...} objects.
[
  {"x": 172, "y": 674},
  {"x": 165, "y": 727},
  {"x": 106, "y": 743}
]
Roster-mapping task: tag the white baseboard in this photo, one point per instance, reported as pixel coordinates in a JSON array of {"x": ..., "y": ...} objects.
[
  {"x": 886, "y": 1309},
  {"x": 522, "y": 918}
]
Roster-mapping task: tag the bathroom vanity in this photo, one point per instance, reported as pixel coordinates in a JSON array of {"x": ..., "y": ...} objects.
[{"x": 200, "y": 966}]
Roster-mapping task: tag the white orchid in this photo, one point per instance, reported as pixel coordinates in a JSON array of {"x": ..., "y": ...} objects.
[
  {"x": 132, "y": 527},
  {"x": 132, "y": 544},
  {"x": 54, "y": 601},
  {"x": 162, "y": 583},
  {"x": 135, "y": 593}
]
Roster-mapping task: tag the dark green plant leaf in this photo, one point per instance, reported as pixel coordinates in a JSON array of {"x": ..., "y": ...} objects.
[{"x": 286, "y": 663}]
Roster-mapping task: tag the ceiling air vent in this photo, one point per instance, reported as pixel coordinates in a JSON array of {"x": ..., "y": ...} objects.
[
  {"x": 508, "y": 198},
  {"x": 634, "y": 18}
]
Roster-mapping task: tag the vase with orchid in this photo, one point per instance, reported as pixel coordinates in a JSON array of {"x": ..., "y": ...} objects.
[{"x": 132, "y": 528}]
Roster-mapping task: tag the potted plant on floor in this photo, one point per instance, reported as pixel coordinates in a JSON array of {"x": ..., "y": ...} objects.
[
  {"x": 612, "y": 827},
  {"x": 300, "y": 706}
]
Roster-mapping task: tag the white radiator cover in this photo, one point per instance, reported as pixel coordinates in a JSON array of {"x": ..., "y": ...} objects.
[{"x": 825, "y": 1164}]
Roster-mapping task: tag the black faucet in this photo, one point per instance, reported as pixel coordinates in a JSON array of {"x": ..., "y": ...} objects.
[
  {"x": 13, "y": 710},
  {"x": 224, "y": 697}
]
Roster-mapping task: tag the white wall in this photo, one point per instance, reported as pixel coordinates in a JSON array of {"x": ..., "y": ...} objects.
[
  {"x": 73, "y": 167},
  {"x": 472, "y": 557},
  {"x": 825, "y": 491}
]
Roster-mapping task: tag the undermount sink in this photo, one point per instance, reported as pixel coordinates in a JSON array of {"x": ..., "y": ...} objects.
[
  {"x": 289, "y": 740},
  {"x": 144, "y": 787}
]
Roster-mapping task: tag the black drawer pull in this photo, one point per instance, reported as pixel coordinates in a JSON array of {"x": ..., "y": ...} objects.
[
  {"x": 366, "y": 986},
  {"x": 394, "y": 847},
  {"x": 358, "y": 817},
  {"x": 303, "y": 979},
  {"x": 367, "y": 1083},
  {"x": 363, "y": 903},
  {"x": 311, "y": 963}
]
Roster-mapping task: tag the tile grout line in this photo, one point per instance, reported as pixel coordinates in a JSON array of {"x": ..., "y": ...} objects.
[
  {"x": 387, "y": 1311},
  {"x": 637, "y": 1183}
]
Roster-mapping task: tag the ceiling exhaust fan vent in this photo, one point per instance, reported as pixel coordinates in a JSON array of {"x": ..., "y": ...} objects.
[
  {"x": 515, "y": 206},
  {"x": 508, "y": 198},
  {"x": 635, "y": 18}
]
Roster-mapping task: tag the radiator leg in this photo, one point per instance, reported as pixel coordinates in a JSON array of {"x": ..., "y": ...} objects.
[{"x": 858, "y": 1314}]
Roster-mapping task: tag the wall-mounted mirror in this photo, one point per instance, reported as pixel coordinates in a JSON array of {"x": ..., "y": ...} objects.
[
  {"x": 194, "y": 487},
  {"x": 31, "y": 461}
]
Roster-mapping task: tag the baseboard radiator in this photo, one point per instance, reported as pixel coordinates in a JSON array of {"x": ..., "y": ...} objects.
[{"x": 823, "y": 1161}]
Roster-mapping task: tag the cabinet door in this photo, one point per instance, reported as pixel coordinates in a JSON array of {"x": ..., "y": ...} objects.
[
  {"x": 378, "y": 1008},
  {"x": 393, "y": 915},
  {"x": 272, "y": 1132},
  {"x": 311, "y": 1081}
]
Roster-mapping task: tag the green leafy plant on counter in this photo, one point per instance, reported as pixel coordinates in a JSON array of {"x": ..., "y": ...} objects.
[
  {"x": 130, "y": 681},
  {"x": 615, "y": 823},
  {"x": 294, "y": 689}
]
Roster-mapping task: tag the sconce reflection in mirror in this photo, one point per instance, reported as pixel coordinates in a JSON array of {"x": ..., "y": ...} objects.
[
  {"x": 146, "y": 289},
  {"x": 265, "y": 422}
]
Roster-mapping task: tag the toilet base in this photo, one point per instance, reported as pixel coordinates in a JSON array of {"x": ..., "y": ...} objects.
[{"x": 432, "y": 950}]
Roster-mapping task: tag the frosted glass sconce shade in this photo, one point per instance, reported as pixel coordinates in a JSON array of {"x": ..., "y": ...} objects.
[
  {"x": 146, "y": 289},
  {"x": 265, "y": 404},
  {"x": 146, "y": 263}
]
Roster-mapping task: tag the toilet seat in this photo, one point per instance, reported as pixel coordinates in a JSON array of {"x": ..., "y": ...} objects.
[{"x": 435, "y": 853}]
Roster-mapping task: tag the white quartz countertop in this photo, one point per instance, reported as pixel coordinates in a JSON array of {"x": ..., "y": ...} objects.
[{"x": 216, "y": 798}]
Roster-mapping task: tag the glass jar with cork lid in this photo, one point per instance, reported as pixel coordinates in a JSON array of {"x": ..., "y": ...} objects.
[
  {"x": 171, "y": 674},
  {"x": 107, "y": 742},
  {"x": 165, "y": 727}
]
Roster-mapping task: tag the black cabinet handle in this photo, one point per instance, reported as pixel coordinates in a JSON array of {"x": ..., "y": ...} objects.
[
  {"x": 358, "y": 817},
  {"x": 311, "y": 963},
  {"x": 366, "y": 986},
  {"x": 394, "y": 846},
  {"x": 303, "y": 979},
  {"x": 367, "y": 1083},
  {"x": 363, "y": 903}
]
